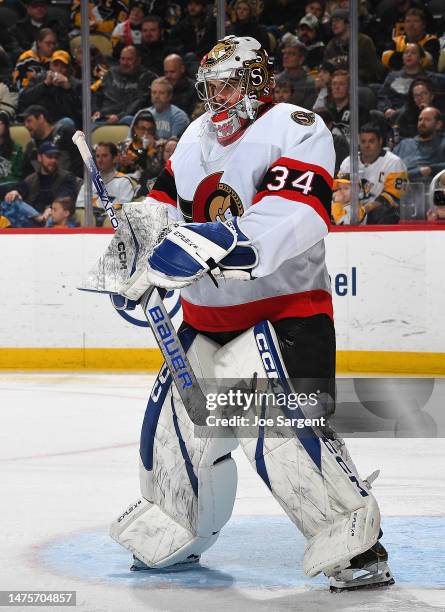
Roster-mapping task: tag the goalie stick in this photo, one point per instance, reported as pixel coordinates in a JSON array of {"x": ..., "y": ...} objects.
[{"x": 153, "y": 307}]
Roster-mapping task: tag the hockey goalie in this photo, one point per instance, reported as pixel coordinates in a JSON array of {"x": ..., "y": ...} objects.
[{"x": 241, "y": 212}]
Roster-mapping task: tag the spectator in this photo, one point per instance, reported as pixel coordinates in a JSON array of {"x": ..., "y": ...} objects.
[
  {"x": 425, "y": 153},
  {"x": 246, "y": 24},
  {"x": 33, "y": 62},
  {"x": 420, "y": 95},
  {"x": 383, "y": 178},
  {"x": 320, "y": 11},
  {"x": 57, "y": 90},
  {"x": 41, "y": 128},
  {"x": 341, "y": 203},
  {"x": 129, "y": 32},
  {"x": 415, "y": 32},
  {"x": 26, "y": 30},
  {"x": 119, "y": 187},
  {"x": 8, "y": 97},
  {"x": 337, "y": 103},
  {"x": 279, "y": 13},
  {"x": 389, "y": 20},
  {"x": 98, "y": 66},
  {"x": 396, "y": 86},
  {"x": 121, "y": 86},
  {"x": 141, "y": 153},
  {"x": 193, "y": 32},
  {"x": 369, "y": 67},
  {"x": 308, "y": 32},
  {"x": 294, "y": 55},
  {"x": 322, "y": 82},
  {"x": 16, "y": 213},
  {"x": 341, "y": 144},
  {"x": 42, "y": 187},
  {"x": 11, "y": 156},
  {"x": 283, "y": 91},
  {"x": 9, "y": 44},
  {"x": 316, "y": 8},
  {"x": 62, "y": 213},
  {"x": 153, "y": 47},
  {"x": 170, "y": 120},
  {"x": 104, "y": 15},
  {"x": 184, "y": 92}
]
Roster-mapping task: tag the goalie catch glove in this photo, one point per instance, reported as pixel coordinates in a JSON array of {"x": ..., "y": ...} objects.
[{"x": 187, "y": 252}]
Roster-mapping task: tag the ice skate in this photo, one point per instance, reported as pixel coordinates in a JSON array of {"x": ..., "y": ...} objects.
[
  {"x": 140, "y": 566},
  {"x": 369, "y": 570}
]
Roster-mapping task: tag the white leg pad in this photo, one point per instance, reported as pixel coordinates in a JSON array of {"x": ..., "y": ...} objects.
[
  {"x": 347, "y": 536},
  {"x": 189, "y": 493},
  {"x": 159, "y": 540},
  {"x": 155, "y": 538},
  {"x": 313, "y": 478}
]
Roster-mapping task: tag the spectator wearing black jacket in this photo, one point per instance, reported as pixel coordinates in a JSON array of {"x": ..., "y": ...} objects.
[
  {"x": 39, "y": 124},
  {"x": 369, "y": 68},
  {"x": 184, "y": 92},
  {"x": 194, "y": 32},
  {"x": 153, "y": 47},
  {"x": 121, "y": 86},
  {"x": 337, "y": 103},
  {"x": 308, "y": 32},
  {"x": 26, "y": 30},
  {"x": 420, "y": 95},
  {"x": 57, "y": 90},
  {"x": 40, "y": 188},
  {"x": 280, "y": 13},
  {"x": 246, "y": 24}
]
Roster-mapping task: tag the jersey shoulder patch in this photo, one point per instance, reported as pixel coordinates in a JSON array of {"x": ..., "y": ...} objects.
[{"x": 303, "y": 117}]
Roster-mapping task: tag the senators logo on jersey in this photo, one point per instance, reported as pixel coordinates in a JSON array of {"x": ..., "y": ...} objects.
[{"x": 212, "y": 201}]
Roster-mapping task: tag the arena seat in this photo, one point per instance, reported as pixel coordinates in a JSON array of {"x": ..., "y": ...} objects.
[
  {"x": 20, "y": 135},
  {"x": 110, "y": 133},
  {"x": 102, "y": 42}
]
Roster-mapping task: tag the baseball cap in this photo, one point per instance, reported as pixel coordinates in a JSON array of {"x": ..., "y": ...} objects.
[
  {"x": 310, "y": 21},
  {"x": 340, "y": 14},
  {"x": 48, "y": 148},
  {"x": 61, "y": 56}
]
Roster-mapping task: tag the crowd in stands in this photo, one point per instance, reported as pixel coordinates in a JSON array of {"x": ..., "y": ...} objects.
[{"x": 144, "y": 56}]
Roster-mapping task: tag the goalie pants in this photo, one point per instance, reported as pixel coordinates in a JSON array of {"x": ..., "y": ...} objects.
[{"x": 188, "y": 482}]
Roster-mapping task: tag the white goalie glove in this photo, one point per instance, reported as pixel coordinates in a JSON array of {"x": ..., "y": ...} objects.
[
  {"x": 146, "y": 251},
  {"x": 187, "y": 252},
  {"x": 140, "y": 226}
]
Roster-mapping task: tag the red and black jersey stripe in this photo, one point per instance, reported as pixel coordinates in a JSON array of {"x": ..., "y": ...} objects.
[
  {"x": 300, "y": 182},
  {"x": 164, "y": 189}
]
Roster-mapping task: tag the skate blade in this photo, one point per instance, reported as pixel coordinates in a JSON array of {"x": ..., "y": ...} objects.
[
  {"x": 375, "y": 576},
  {"x": 363, "y": 587},
  {"x": 140, "y": 566}
]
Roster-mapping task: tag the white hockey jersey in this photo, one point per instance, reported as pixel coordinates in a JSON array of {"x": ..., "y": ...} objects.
[
  {"x": 382, "y": 181},
  {"x": 278, "y": 178}
]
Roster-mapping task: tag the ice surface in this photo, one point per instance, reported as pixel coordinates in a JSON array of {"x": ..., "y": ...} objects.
[{"x": 68, "y": 456}]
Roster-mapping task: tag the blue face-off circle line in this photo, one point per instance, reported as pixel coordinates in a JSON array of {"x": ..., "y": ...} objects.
[
  {"x": 251, "y": 552},
  {"x": 127, "y": 317}
]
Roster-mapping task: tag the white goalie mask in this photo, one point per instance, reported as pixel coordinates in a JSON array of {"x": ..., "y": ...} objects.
[{"x": 234, "y": 80}]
